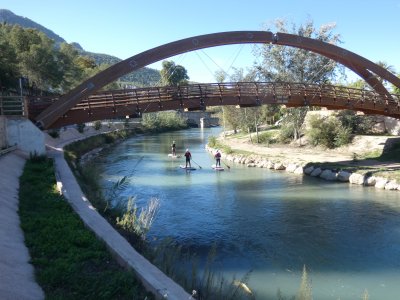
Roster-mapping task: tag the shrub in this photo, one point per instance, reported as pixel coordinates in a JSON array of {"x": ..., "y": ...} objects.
[
  {"x": 97, "y": 125},
  {"x": 267, "y": 138},
  {"x": 328, "y": 132},
  {"x": 212, "y": 141},
  {"x": 163, "y": 121},
  {"x": 54, "y": 133},
  {"x": 286, "y": 133},
  {"x": 358, "y": 124},
  {"x": 80, "y": 127},
  {"x": 226, "y": 149}
]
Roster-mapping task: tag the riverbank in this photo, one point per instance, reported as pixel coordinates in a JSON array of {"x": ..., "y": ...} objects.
[{"x": 358, "y": 163}]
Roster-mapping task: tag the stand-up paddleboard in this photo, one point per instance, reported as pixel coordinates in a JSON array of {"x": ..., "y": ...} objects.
[
  {"x": 217, "y": 168},
  {"x": 187, "y": 168},
  {"x": 174, "y": 156}
]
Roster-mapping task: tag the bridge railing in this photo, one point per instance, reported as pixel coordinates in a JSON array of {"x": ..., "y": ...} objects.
[
  {"x": 127, "y": 97},
  {"x": 12, "y": 106}
]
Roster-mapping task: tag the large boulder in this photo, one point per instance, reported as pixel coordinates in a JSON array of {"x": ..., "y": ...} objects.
[
  {"x": 299, "y": 170},
  {"x": 308, "y": 170},
  {"x": 343, "y": 176},
  {"x": 328, "y": 175},
  {"x": 391, "y": 185},
  {"x": 279, "y": 166},
  {"x": 381, "y": 182},
  {"x": 291, "y": 167},
  {"x": 270, "y": 165},
  {"x": 316, "y": 172},
  {"x": 356, "y": 178},
  {"x": 370, "y": 181}
]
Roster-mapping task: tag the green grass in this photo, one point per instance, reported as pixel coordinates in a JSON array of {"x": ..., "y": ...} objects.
[{"x": 70, "y": 262}]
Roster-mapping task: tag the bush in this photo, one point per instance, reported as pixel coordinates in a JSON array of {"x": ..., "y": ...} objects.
[
  {"x": 267, "y": 137},
  {"x": 286, "y": 133},
  {"x": 328, "y": 132},
  {"x": 54, "y": 133},
  {"x": 163, "y": 121},
  {"x": 212, "y": 141},
  {"x": 80, "y": 127},
  {"x": 358, "y": 124},
  {"x": 97, "y": 125}
]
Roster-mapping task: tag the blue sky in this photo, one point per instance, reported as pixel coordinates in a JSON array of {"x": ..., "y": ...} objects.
[{"x": 124, "y": 28}]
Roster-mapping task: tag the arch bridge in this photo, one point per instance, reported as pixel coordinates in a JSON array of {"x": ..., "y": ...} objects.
[
  {"x": 83, "y": 97},
  {"x": 134, "y": 102}
]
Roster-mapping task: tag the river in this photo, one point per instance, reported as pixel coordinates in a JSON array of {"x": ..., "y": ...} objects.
[{"x": 271, "y": 223}]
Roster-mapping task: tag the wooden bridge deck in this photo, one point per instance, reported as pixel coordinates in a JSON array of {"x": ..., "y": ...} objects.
[{"x": 133, "y": 102}]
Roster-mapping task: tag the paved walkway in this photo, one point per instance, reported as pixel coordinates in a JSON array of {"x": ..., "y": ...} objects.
[{"x": 16, "y": 273}]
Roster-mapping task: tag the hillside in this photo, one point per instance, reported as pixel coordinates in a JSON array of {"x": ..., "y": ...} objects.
[{"x": 142, "y": 77}]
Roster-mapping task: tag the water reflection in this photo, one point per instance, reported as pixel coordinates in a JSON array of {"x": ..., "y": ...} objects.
[{"x": 267, "y": 221}]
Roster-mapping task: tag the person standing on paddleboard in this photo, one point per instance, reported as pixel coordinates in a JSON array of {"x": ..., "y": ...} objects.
[
  {"x": 217, "y": 159},
  {"x": 188, "y": 156},
  {"x": 173, "y": 148}
]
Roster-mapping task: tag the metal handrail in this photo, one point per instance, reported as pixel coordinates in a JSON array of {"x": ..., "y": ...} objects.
[{"x": 12, "y": 106}]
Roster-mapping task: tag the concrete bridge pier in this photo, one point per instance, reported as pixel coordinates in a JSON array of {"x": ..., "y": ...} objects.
[{"x": 22, "y": 133}]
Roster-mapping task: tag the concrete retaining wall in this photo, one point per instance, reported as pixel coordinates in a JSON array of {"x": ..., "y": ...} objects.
[{"x": 26, "y": 136}]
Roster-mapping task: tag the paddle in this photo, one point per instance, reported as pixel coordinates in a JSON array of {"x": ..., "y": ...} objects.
[
  {"x": 197, "y": 164},
  {"x": 225, "y": 164}
]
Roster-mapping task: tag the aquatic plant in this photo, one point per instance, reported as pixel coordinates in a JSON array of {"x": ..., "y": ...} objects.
[{"x": 138, "y": 221}]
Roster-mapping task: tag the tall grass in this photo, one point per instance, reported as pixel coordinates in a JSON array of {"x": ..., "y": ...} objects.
[{"x": 138, "y": 221}]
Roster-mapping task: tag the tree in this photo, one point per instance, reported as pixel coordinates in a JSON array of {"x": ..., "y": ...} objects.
[
  {"x": 220, "y": 76},
  {"x": 29, "y": 53},
  {"x": 172, "y": 74},
  {"x": 387, "y": 67},
  {"x": 8, "y": 61},
  {"x": 282, "y": 63},
  {"x": 36, "y": 56},
  {"x": 69, "y": 65}
]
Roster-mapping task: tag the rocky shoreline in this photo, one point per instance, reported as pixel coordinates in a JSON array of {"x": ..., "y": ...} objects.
[{"x": 258, "y": 161}]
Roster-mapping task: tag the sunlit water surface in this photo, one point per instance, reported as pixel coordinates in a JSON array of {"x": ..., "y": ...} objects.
[{"x": 268, "y": 222}]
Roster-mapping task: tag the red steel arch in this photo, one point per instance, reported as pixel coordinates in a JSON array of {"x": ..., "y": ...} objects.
[{"x": 362, "y": 66}]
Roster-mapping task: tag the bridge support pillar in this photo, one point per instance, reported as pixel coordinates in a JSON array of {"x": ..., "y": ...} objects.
[{"x": 21, "y": 132}]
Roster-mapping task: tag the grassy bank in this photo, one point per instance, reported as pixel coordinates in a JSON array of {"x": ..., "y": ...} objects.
[{"x": 70, "y": 262}]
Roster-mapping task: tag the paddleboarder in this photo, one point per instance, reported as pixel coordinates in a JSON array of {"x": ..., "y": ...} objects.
[
  {"x": 217, "y": 159},
  {"x": 173, "y": 146},
  {"x": 188, "y": 156}
]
